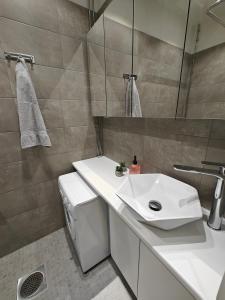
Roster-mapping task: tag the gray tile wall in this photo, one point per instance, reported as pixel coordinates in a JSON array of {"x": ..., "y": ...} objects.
[
  {"x": 206, "y": 99},
  {"x": 54, "y": 31},
  {"x": 96, "y": 68},
  {"x": 161, "y": 143}
]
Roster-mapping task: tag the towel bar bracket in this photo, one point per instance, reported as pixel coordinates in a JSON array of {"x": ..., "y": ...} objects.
[
  {"x": 15, "y": 56},
  {"x": 129, "y": 76}
]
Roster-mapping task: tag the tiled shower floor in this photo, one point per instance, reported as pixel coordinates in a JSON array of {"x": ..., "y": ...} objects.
[{"x": 64, "y": 277}]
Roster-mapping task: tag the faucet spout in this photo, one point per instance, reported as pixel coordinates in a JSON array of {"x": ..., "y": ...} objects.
[
  {"x": 197, "y": 170},
  {"x": 218, "y": 203}
]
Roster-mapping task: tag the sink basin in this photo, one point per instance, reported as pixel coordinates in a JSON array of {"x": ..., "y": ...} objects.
[{"x": 160, "y": 200}]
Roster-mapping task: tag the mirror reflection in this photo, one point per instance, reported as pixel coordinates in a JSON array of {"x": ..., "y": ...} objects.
[
  {"x": 204, "y": 98},
  {"x": 135, "y": 58},
  {"x": 159, "y": 31}
]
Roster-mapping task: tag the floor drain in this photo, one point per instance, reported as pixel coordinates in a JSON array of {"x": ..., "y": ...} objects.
[{"x": 31, "y": 285}]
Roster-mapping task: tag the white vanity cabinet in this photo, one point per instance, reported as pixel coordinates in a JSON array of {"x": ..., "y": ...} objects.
[
  {"x": 124, "y": 249},
  {"x": 156, "y": 282}
]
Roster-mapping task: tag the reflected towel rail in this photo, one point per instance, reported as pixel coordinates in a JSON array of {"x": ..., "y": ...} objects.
[
  {"x": 129, "y": 76},
  {"x": 15, "y": 56}
]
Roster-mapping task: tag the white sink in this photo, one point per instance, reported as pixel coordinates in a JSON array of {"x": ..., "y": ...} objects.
[{"x": 178, "y": 203}]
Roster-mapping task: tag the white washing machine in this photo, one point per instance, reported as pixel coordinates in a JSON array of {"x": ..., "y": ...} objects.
[{"x": 86, "y": 218}]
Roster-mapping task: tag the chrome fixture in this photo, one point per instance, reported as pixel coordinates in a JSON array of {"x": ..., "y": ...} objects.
[
  {"x": 129, "y": 76},
  {"x": 211, "y": 14},
  {"x": 16, "y": 56},
  {"x": 218, "y": 203}
]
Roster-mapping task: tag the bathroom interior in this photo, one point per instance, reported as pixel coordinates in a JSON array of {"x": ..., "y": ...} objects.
[{"x": 112, "y": 149}]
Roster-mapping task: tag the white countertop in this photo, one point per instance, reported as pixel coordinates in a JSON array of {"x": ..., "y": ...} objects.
[{"x": 194, "y": 253}]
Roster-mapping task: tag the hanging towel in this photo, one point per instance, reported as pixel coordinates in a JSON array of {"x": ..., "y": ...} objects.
[
  {"x": 32, "y": 126},
  {"x": 133, "y": 104}
]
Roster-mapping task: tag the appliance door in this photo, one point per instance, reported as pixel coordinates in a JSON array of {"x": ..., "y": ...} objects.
[{"x": 70, "y": 222}]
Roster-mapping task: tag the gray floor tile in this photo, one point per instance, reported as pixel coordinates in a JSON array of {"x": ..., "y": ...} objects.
[{"x": 64, "y": 277}]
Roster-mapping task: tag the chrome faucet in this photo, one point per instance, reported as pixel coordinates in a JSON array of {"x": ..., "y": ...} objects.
[{"x": 218, "y": 203}]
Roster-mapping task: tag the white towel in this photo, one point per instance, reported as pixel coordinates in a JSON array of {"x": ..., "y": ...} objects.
[
  {"x": 32, "y": 126},
  {"x": 133, "y": 104}
]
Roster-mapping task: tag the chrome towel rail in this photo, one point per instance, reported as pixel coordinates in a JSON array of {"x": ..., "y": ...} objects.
[
  {"x": 16, "y": 56},
  {"x": 129, "y": 76}
]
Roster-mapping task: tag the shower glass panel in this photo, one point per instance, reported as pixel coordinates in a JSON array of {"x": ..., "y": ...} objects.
[
  {"x": 204, "y": 74},
  {"x": 159, "y": 35}
]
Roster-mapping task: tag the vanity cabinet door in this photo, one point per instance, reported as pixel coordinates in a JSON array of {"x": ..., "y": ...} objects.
[
  {"x": 156, "y": 282},
  {"x": 124, "y": 250}
]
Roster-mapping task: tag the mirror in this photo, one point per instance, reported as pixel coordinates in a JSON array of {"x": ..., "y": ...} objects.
[
  {"x": 137, "y": 45},
  {"x": 118, "y": 22},
  {"x": 96, "y": 66},
  {"x": 159, "y": 34},
  {"x": 204, "y": 73}
]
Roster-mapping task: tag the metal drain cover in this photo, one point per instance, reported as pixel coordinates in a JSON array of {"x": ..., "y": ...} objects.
[
  {"x": 32, "y": 284},
  {"x": 155, "y": 205}
]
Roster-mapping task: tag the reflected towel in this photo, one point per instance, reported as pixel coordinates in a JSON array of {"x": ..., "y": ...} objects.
[
  {"x": 133, "y": 104},
  {"x": 32, "y": 126}
]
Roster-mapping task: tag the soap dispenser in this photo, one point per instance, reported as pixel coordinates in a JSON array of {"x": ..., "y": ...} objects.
[{"x": 135, "y": 168}]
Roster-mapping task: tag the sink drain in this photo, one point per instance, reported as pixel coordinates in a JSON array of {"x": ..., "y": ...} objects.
[
  {"x": 155, "y": 205},
  {"x": 31, "y": 285}
]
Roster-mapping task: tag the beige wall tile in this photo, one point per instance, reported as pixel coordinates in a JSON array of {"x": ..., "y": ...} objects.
[
  {"x": 5, "y": 87},
  {"x": 10, "y": 150},
  {"x": 118, "y": 63},
  {"x": 208, "y": 110},
  {"x": 9, "y": 241},
  {"x": 74, "y": 85},
  {"x": 52, "y": 112},
  {"x": 73, "y": 19},
  {"x": 96, "y": 59},
  {"x": 74, "y": 53},
  {"x": 97, "y": 87},
  {"x": 44, "y": 45},
  {"x": 8, "y": 115},
  {"x": 47, "y": 82},
  {"x": 98, "y": 108},
  {"x": 82, "y": 139},
  {"x": 116, "y": 89},
  {"x": 217, "y": 130},
  {"x": 41, "y": 13},
  {"x": 25, "y": 201},
  {"x": 117, "y": 36},
  {"x": 75, "y": 113},
  {"x": 12, "y": 176},
  {"x": 116, "y": 108}
]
